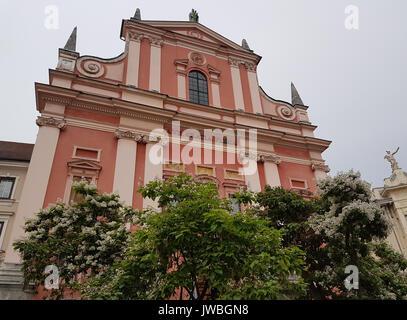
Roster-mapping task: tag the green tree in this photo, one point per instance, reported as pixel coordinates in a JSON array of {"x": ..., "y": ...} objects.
[
  {"x": 81, "y": 239},
  {"x": 194, "y": 247},
  {"x": 288, "y": 212}
]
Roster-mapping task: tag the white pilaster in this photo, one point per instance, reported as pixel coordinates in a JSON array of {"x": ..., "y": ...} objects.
[
  {"x": 320, "y": 170},
  {"x": 182, "y": 90},
  {"x": 254, "y": 91},
  {"x": 123, "y": 182},
  {"x": 271, "y": 172},
  {"x": 36, "y": 181},
  {"x": 253, "y": 181},
  {"x": 237, "y": 84},
  {"x": 152, "y": 171},
  {"x": 133, "y": 61},
  {"x": 155, "y": 64},
  {"x": 215, "y": 94}
]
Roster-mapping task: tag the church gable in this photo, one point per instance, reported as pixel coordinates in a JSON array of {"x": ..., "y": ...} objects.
[{"x": 196, "y": 31}]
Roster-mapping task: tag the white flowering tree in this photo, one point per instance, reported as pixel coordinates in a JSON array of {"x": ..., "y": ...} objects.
[
  {"x": 81, "y": 239},
  {"x": 351, "y": 230}
]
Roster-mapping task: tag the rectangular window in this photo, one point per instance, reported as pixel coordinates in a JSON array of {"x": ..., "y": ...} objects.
[
  {"x": 235, "y": 204},
  {"x": 298, "y": 184},
  {"x": 74, "y": 196},
  {"x": 6, "y": 187},
  {"x": 86, "y": 153},
  {"x": 1, "y": 228}
]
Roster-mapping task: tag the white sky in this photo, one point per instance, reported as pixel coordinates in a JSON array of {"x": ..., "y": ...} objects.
[{"x": 353, "y": 81}]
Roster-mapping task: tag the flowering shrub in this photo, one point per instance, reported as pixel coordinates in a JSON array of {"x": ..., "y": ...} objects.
[
  {"x": 351, "y": 231},
  {"x": 81, "y": 239}
]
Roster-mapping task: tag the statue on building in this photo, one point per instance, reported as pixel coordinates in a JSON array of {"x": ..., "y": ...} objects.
[
  {"x": 390, "y": 157},
  {"x": 193, "y": 16}
]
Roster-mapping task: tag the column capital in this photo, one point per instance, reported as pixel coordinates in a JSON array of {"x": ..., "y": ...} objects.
[
  {"x": 125, "y": 134},
  {"x": 156, "y": 42},
  {"x": 269, "y": 158},
  {"x": 141, "y": 138},
  {"x": 316, "y": 165},
  {"x": 131, "y": 135},
  {"x": 250, "y": 66},
  {"x": 135, "y": 36},
  {"x": 51, "y": 122},
  {"x": 234, "y": 62}
]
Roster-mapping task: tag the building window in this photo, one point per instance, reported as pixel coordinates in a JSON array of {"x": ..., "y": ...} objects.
[
  {"x": 198, "y": 88},
  {"x": 75, "y": 197},
  {"x": 235, "y": 204},
  {"x": 3, "y": 226},
  {"x": 6, "y": 187}
]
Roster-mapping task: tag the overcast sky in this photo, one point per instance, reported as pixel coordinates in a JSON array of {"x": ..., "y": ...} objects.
[{"x": 353, "y": 80}]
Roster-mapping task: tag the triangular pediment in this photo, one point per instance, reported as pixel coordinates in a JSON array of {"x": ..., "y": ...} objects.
[
  {"x": 195, "y": 30},
  {"x": 84, "y": 164}
]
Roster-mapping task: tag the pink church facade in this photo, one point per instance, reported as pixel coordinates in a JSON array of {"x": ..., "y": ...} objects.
[{"x": 97, "y": 116}]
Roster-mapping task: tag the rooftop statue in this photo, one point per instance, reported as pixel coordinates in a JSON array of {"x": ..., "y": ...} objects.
[
  {"x": 390, "y": 157},
  {"x": 193, "y": 16}
]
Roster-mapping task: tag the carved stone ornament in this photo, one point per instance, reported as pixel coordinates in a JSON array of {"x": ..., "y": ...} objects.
[
  {"x": 157, "y": 42},
  {"x": 141, "y": 138},
  {"x": 250, "y": 66},
  {"x": 197, "y": 58},
  {"x": 51, "y": 122},
  {"x": 286, "y": 112},
  {"x": 121, "y": 134},
  {"x": 320, "y": 166},
  {"x": 91, "y": 68},
  {"x": 248, "y": 155},
  {"x": 195, "y": 34},
  {"x": 393, "y": 162},
  {"x": 268, "y": 158},
  {"x": 234, "y": 62},
  {"x": 135, "y": 36}
]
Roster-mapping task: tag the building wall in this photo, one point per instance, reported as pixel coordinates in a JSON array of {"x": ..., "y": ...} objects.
[{"x": 8, "y": 207}]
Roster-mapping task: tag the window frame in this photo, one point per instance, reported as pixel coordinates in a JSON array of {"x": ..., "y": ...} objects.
[
  {"x": 235, "y": 205},
  {"x": 4, "y": 220},
  {"x": 11, "y": 194},
  {"x": 197, "y": 91}
]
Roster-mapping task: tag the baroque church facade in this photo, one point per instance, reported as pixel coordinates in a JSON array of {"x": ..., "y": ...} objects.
[{"x": 97, "y": 116}]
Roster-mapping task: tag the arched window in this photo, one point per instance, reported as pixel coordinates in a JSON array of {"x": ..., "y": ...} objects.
[{"x": 198, "y": 88}]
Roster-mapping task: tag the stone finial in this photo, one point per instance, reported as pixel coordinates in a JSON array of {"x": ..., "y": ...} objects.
[
  {"x": 71, "y": 43},
  {"x": 193, "y": 16},
  {"x": 295, "y": 97},
  {"x": 245, "y": 45},
  {"x": 137, "y": 15}
]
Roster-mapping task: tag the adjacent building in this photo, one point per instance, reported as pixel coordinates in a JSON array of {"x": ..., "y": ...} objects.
[
  {"x": 14, "y": 162},
  {"x": 392, "y": 197}
]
